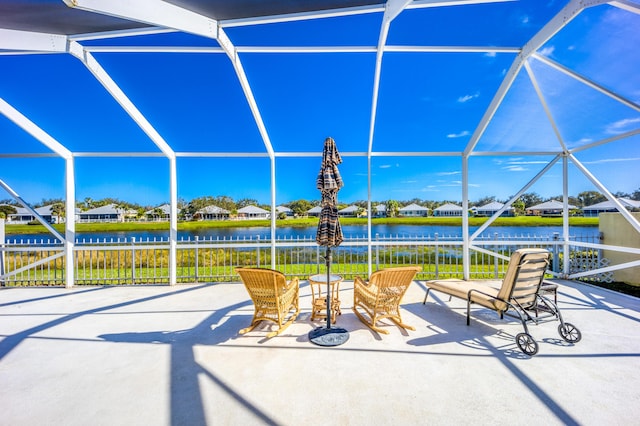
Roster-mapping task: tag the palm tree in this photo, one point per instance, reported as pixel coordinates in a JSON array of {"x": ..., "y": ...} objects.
[
  {"x": 392, "y": 208},
  {"x": 88, "y": 203},
  {"x": 157, "y": 214},
  {"x": 121, "y": 208},
  {"x": 518, "y": 207},
  {"x": 58, "y": 210}
]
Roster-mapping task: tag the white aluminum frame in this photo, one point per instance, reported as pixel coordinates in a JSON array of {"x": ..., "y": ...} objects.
[{"x": 166, "y": 17}]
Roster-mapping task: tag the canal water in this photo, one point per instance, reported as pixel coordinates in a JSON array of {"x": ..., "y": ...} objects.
[{"x": 350, "y": 232}]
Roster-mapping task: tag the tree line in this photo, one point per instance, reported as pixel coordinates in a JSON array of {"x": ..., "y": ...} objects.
[{"x": 300, "y": 207}]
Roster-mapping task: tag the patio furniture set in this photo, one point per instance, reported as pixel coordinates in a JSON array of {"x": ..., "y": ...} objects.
[{"x": 522, "y": 294}]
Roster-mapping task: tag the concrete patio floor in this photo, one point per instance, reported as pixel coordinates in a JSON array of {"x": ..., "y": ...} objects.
[{"x": 162, "y": 355}]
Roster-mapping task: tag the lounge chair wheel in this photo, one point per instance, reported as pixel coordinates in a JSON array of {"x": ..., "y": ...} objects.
[
  {"x": 569, "y": 332},
  {"x": 527, "y": 344}
]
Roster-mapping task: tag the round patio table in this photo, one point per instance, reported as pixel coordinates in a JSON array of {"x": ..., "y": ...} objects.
[{"x": 319, "y": 298}]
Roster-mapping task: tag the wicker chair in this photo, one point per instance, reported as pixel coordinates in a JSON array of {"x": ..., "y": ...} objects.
[
  {"x": 273, "y": 297},
  {"x": 381, "y": 297}
]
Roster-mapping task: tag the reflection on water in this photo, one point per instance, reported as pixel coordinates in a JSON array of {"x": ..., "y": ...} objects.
[{"x": 350, "y": 232}]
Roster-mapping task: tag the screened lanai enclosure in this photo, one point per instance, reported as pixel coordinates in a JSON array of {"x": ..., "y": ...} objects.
[{"x": 486, "y": 96}]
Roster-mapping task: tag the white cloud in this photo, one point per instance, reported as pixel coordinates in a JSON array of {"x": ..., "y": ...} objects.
[
  {"x": 458, "y": 135},
  {"x": 457, "y": 183},
  {"x": 622, "y": 126},
  {"x": 448, "y": 173},
  {"x": 611, "y": 160},
  {"x": 385, "y": 166},
  {"x": 547, "y": 51},
  {"x": 430, "y": 188},
  {"x": 467, "y": 98},
  {"x": 515, "y": 168},
  {"x": 490, "y": 54},
  {"x": 521, "y": 163},
  {"x": 516, "y": 163},
  {"x": 584, "y": 140}
]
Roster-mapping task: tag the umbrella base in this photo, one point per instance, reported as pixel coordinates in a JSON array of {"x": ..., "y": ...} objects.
[{"x": 323, "y": 336}]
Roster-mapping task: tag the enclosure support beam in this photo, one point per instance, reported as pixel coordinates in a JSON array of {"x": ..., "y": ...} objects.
[
  {"x": 545, "y": 105},
  {"x": 369, "y": 214},
  {"x": 70, "y": 223},
  {"x": 273, "y": 212},
  {"x": 70, "y": 235},
  {"x": 627, "y": 5},
  {"x": 565, "y": 213},
  {"x": 32, "y": 42},
  {"x": 391, "y": 10},
  {"x": 586, "y": 81},
  {"x": 31, "y": 210},
  {"x": 173, "y": 221},
  {"x": 232, "y": 53},
  {"x": 153, "y": 12},
  {"x": 625, "y": 213},
  {"x": 44, "y": 138},
  {"x": 112, "y": 87},
  {"x": 558, "y": 22},
  {"x": 466, "y": 256},
  {"x": 514, "y": 198},
  {"x": 168, "y": 15}
]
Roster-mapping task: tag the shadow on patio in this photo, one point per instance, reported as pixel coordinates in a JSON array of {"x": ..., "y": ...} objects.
[{"x": 172, "y": 355}]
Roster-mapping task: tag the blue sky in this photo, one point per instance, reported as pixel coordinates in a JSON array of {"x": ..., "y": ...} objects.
[{"x": 428, "y": 102}]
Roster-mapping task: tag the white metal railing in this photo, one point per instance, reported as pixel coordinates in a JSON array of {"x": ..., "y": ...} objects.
[{"x": 146, "y": 261}]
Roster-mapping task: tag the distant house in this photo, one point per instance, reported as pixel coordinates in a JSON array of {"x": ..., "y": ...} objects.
[
  {"x": 379, "y": 211},
  {"x": 414, "y": 210},
  {"x": 350, "y": 211},
  {"x": 284, "y": 209},
  {"x": 212, "y": 213},
  {"x": 22, "y": 215},
  {"x": 160, "y": 213},
  {"x": 314, "y": 211},
  {"x": 609, "y": 207},
  {"x": 108, "y": 213},
  {"x": 253, "y": 212},
  {"x": 548, "y": 208},
  {"x": 448, "y": 209},
  {"x": 492, "y": 208}
]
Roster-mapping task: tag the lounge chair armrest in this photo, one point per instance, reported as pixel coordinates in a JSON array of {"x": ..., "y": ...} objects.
[{"x": 481, "y": 292}]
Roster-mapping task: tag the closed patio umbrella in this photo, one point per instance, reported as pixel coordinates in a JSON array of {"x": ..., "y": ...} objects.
[{"x": 329, "y": 234}]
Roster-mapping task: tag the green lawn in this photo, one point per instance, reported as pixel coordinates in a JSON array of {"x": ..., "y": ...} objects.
[{"x": 443, "y": 221}]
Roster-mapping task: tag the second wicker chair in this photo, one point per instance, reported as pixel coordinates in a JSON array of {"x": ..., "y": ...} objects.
[{"x": 381, "y": 296}]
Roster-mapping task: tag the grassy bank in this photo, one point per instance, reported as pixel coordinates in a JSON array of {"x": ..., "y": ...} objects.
[{"x": 423, "y": 221}]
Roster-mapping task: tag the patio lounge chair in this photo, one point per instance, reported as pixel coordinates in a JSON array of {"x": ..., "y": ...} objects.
[
  {"x": 381, "y": 297},
  {"x": 516, "y": 296},
  {"x": 273, "y": 297}
]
